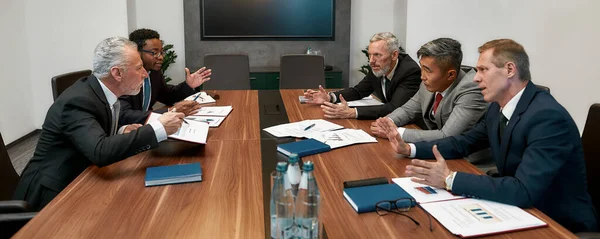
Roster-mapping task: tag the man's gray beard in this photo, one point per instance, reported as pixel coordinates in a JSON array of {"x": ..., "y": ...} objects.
[{"x": 381, "y": 72}]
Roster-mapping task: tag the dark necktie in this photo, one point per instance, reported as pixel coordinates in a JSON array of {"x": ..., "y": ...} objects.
[
  {"x": 115, "y": 117},
  {"x": 502, "y": 125},
  {"x": 438, "y": 99},
  {"x": 146, "y": 94},
  {"x": 386, "y": 86}
]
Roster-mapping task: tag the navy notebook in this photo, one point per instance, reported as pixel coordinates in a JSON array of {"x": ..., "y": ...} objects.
[
  {"x": 363, "y": 199},
  {"x": 303, "y": 148},
  {"x": 171, "y": 174}
]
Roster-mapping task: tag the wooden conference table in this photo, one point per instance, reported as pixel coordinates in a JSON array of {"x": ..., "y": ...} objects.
[{"x": 232, "y": 200}]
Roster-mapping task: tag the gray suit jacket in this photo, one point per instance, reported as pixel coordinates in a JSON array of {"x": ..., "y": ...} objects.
[{"x": 458, "y": 111}]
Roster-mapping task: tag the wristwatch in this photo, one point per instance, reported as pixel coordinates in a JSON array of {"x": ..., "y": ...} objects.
[
  {"x": 332, "y": 97},
  {"x": 450, "y": 180}
]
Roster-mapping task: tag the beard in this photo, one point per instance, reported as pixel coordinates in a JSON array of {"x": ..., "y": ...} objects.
[
  {"x": 381, "y": 72},
  {"x": 132, "y": 91}
]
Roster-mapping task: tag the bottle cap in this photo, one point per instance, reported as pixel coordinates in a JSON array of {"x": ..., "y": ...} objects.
[
  {"x": 293, "y": 158},
  {"x": 308, "y": 166},
  {"x": 281, "y": 167}
]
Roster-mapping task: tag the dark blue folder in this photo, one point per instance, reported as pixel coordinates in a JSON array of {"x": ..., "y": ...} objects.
[
  {"x": 303, "y": 148},
  {"x": 363, "y": 199},
  {"x": 171, "y": 174}
]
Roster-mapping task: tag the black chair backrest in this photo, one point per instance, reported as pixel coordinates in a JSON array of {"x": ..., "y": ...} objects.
[
  {"x": 301, "y": 71},
  {"x": 466, "y": 68},
  {"x": 229, "y": 72},
  {"x": 591, "y": 151},
  {"x": 541, "y": 87},
  {"x": 8, "y": 176},
  {"x": 61, "y": 82}
]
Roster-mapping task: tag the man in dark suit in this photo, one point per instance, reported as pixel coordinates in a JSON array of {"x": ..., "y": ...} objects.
[
  {"x": 533, "y": 139},
  {"x": 394, "y": 78},
  {"x": 81, "y": 126},
  {"x": 136, "y": 108}
]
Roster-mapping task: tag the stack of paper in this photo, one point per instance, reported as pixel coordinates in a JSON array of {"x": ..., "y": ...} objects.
[
  {"x": 468, "y": 217},
  {"x": 201, "y": 97},
  {"x": 367, "y": 101},
  {"x": 213, "y": 121},
  {"x": 191, "y": 131},
  {"x": 215, "y": 111},
  {"x": 343, "y": 137},
  {"x": 302, "y": 129}
]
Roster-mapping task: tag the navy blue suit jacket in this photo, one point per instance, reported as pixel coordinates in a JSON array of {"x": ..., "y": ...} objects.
[{"x": 539, "y": 158}]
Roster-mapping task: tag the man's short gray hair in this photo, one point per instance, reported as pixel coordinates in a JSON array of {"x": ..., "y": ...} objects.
[
  {"x": 445, "y": 51},
  {"x": 110, "y": 52},
  {"x": 391, "y": 41}
]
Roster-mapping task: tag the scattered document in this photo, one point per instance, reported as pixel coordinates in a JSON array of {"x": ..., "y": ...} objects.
[
  {"x": 424, "y": 193},
  {"x": 468, "y": 217},
  {"x": 215, "y": 110},
  {"x": 343, "y": 137},
  {"x": 302, "y": 99},
  {"x": 201, "y": 97},
  {"x": 367, "y": 101},
  {"x": 475, "y": 217},
  {"x": 302, "y": 128},
  {"x": 191, "y": 131},
  {"x": 212, "y": 121}
]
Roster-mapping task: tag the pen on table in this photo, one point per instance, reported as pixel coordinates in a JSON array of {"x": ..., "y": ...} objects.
[
  {"x": 195, "y": 98},
  {"x": 308, "y": 127}
]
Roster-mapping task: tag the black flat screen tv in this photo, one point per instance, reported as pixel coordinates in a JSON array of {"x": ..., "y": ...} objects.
[{"x": 267, "y": 19}]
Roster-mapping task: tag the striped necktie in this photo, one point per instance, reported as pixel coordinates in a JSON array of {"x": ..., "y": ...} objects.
[{"x": 146, "y": 96}]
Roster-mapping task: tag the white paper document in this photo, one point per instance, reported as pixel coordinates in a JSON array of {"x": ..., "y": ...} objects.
[
  {"x": 192, "y": 131},
  {"x": 343, "y": 137},
  {"x": 424, "y": 193},
  {"x": 201, "y": 97},
  {"x": 215, "y": 111},
  {"x": 302, "y": 128},
  {"x": 475, "y": 217},
  {"x": 367, "y": 101},
  {"x": 212, "y": 121}
]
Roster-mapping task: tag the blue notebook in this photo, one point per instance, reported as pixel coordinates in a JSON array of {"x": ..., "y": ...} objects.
[
  {"x": 303, "y": 148},
  {"x": 363, "y": 199},
  {"x": 171, "y": 174}
]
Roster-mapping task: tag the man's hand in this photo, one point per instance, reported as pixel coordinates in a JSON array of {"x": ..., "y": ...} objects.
[
  {"x": 378, "y": 131},
  {"x": 317, "y": 97},
  {"x": 131, "y": 127},
  {"x": 197, "y": 78},
  {"x": 171, "y": 121},
  {"x": 396, "y": 140},
  {"x": 341, "y": 111},
  {"x": 430, "y": 173},
  {"x": 188, "y": 107}
]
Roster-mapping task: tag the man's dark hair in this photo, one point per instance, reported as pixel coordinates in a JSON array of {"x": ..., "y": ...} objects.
[
  {"x": 140, "y": 36},
  {"x": 445, "y": 51}
]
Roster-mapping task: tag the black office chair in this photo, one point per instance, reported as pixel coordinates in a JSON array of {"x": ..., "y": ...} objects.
[
  {"x": 229, "y": 72},
  {"x": 301, "y": 71},
  {"x": 466, "y": 68},
  {"x": 541, "y": 87},
  {"x": 61, "y": 82},
  {"x": 590, "y": 140},
  {"x": 14, "y": 214}
]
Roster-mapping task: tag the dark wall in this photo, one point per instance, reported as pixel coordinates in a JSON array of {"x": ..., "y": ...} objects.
[{"x": 268, "y": 53}]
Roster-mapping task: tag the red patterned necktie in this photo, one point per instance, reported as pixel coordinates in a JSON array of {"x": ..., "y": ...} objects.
[{"x": 438, "y": 98}]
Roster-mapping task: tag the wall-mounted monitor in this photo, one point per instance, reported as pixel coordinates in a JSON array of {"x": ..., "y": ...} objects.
[{"x": 267, "y": 19}]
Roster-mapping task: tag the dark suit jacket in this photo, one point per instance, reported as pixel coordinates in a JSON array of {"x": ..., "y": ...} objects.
[
  {"x": 74, "y": 136},
  {"x": 131, "y": 105},
  {"x": 404, "y": 85},
  {"x": 540, "y": 160}
]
